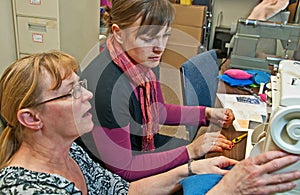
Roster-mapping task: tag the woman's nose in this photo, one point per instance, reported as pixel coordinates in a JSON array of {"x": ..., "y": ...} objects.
[
  {"x": 158, "y": 49},
  {"x": 87, "y": 93},
  {"x": 160, "y": 44}
]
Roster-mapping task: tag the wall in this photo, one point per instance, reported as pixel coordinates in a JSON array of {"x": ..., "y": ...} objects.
[{"x": 7, "y": 40}]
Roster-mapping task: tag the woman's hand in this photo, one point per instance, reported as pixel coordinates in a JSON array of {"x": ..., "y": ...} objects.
[
  {"x": 220, "y": 116},
  {"x": 255, "y": 175},
  {"x": 208, "y": 142},
  {"x": 213, "y": 165}
]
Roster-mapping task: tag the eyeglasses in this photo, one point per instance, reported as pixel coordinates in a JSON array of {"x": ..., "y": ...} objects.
[{"x": 76, "y": 92}]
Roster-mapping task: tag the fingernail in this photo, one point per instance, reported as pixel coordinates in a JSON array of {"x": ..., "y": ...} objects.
[{"x": 296, "y": 158}]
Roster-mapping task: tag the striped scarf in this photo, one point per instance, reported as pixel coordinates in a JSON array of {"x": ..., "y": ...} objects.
[{"x": 145, "y": 82}]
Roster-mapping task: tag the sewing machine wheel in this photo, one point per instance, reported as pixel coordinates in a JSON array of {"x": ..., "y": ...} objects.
[{"x": 285, "y": 129}]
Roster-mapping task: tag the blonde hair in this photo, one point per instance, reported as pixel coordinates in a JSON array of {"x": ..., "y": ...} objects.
[
  {"x": 20, "y": 87},
  {"x": 152, "y": 13}
]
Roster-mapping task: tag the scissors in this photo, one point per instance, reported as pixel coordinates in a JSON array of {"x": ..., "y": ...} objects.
[{"x": 239, "y": 138}]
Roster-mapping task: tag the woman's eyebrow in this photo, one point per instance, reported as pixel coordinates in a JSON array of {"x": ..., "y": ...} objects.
[{"x": 68, "y": 86}]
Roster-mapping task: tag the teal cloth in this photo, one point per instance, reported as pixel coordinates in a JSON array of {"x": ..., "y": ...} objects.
[
  {"x": 199, "y": 184},
  {"x": 202, "y": 183},
  {"x": 259, "y": 76}
]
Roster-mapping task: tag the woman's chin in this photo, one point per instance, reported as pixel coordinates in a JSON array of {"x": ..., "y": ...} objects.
[{"x": 151, "y": 64}]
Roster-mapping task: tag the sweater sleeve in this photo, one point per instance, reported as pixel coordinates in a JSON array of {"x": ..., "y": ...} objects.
[
  {"x": 120, "y": 159},
  {"x": 171, "y": 114}
]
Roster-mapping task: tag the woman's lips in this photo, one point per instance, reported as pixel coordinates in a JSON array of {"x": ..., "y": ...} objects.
[{"x": 155, "y": 58}]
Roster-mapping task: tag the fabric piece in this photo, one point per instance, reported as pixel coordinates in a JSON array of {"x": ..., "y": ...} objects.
[
  {"x": 145, "y": 81},
  {"x": 199, "y": 184},
  {"x": 235, "y": 82},
  {"x": 105, "y": 3},
  {"x": 202, "y": 183},
  {"x": 259, "y": 76},
  {"x": 237, "y": 74},
  {"x": 267, "y": 9}
]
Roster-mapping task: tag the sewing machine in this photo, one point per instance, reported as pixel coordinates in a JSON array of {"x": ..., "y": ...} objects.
[
  {"x": 270, "y": 39},
  {"x": 283, "y": 130}
]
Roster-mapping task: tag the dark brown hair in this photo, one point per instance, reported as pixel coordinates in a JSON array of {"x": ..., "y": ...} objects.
[{"x": 152, "y": 13}]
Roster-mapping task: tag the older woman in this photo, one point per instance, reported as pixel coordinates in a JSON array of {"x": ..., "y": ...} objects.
[{"x": 46, "y": 107}]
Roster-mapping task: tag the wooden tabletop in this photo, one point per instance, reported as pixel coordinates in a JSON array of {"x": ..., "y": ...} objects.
[{"x": 238, "y": 151}]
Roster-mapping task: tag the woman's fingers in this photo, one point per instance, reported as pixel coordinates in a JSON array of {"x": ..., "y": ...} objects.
[
  {"x": 273, "y": 165},
  {"x": 267, "y": 157},
  {"x": 221, "y": 143}
]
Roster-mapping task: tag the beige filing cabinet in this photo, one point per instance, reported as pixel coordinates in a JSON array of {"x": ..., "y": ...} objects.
[{"x": 71, "y": 26}]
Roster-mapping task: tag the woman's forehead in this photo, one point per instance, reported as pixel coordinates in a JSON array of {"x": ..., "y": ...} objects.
[
  {"x": 151, "y": 30},
  {"x": 47, "y": 82}
]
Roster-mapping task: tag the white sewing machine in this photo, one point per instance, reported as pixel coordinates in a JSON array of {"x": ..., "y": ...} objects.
[{"x": 283, "y": 130}]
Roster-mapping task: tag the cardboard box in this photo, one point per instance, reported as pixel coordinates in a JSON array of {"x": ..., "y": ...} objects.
[
  {"x": 190, "y": 15},
  {"x": 170, "y": 82},
  {"x": 176, "y": 54},
  {"x": 187, "y": 35}
]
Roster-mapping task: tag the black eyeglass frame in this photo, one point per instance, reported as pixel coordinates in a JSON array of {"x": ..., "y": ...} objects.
[{"x": 80, "y": 84}]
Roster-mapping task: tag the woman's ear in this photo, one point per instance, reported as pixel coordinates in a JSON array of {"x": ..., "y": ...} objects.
[
  {"x": 117, "y": 32},
  {"x": 29, "y": 118}
]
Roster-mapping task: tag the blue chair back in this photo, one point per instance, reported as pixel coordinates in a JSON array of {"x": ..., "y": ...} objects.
[{"x": 200, "y": 82}]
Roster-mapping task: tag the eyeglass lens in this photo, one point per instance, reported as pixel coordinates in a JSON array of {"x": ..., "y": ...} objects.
[{"x": 77, "y": 90}]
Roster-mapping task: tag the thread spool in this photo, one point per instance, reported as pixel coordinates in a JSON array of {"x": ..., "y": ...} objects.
[{"x": 285, "y": 129}]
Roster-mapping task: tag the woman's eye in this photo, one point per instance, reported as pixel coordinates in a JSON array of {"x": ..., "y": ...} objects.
[{"x": 148, "y": 39}]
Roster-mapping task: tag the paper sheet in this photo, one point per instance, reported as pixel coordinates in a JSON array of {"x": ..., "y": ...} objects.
[{"x": 246, "y": 109}]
